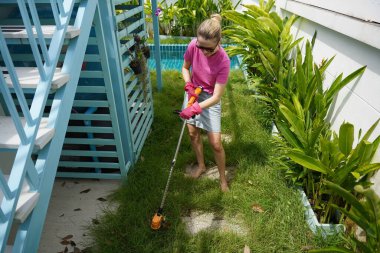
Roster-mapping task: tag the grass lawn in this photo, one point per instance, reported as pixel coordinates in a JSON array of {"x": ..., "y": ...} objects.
[{"x": 280, "y": 227}]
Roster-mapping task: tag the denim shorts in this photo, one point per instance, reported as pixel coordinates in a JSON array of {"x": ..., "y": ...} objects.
[{"x": 210, "y": 118}]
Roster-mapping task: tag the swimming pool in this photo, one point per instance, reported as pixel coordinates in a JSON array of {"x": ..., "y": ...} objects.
[{"x": 172, "y": 57}]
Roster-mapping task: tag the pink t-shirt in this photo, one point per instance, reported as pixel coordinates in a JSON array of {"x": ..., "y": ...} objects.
[{"x": 206, "y": 71}]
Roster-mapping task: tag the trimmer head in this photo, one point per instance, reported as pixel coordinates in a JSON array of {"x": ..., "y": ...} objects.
[{"x": 157, "y": 221}]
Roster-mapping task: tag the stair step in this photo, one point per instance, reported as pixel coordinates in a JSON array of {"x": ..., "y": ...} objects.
[
  {"x": 29, "y": 77},
  {"x": 9, "y": 138},
  {"x": 19, "y": 31},
  {"x": 26, "y": 202}
]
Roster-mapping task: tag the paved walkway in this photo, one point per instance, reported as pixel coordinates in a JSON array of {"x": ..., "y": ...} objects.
[{"x": 74, "y": 204}]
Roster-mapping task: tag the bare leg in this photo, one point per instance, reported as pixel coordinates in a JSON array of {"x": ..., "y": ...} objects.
[
  {"x": 215, "y": 140},
  {"x": 197, "y": 144}
]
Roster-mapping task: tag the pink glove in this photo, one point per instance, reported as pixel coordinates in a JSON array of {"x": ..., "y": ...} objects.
[
  {"x": 190, "y": 89},
  {"x": 190, "y": 111}
]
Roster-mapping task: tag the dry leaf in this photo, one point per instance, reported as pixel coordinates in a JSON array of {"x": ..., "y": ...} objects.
[
  {"x": 95, "y": 221},
  {"x": 85, "y": 191},
  {"x": 257, "y": 208},
  {"x": 77, "y": 209},
  {"x": 63, "y": 184},
  {"x": 73, "y": 244},
  {"x": 250, "y": 182},
  {"x": 64, "y": 242},
  {"x": 246, "y": 249},
  {"x": 101, "y": 199},
  {"x": 67, "y": 237},
  {"x": 66, "y": 250},
  {"x": 62, "y": 215}
]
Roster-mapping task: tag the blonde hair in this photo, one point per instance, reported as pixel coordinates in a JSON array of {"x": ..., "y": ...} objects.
[{"x": 211, "y": 28}]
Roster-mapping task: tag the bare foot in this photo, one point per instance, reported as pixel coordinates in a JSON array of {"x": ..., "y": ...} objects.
[
  {"x": 197, "y": 172},
  {"x": 224, "y": 187}
]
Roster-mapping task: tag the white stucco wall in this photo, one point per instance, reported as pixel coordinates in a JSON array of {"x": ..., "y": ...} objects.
[{"x": 350, "y": 30}]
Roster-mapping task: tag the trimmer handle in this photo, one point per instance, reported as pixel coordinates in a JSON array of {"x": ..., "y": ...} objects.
[{"x": 197, "y": 91}]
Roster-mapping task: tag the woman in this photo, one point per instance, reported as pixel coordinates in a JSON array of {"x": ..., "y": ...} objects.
[{"x": 210, "y": 68}]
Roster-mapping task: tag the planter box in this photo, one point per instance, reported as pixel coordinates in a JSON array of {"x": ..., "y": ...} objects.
[{"x": 312, "y": 221}]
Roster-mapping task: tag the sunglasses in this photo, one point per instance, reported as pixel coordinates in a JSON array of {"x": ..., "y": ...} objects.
[{"x": 207, "y": 49}]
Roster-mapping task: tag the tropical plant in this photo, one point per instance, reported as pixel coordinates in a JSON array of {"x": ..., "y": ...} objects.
[
  {"x": 365, "y": 213},
  {"x": 300, "y": 106},
  {"x": 262, "y": 38},
  {"x": 184, "y": 17},
  {"x": 340, "y": 163}
]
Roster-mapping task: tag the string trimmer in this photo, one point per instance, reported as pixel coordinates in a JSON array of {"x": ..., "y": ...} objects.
[{"x": 158, "y": 217}]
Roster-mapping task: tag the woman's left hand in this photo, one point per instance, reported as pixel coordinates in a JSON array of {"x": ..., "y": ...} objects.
[{"x": 191, "y": 111}]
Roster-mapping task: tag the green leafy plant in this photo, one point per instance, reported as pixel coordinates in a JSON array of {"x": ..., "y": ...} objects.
[
  {"x": 365, "y": 213},
  {"x": 340, "y": 163},
  {"x": 262, "y": 38},
  {"x": 182, "y": 18},
  {"x": 139, "y": 62}
]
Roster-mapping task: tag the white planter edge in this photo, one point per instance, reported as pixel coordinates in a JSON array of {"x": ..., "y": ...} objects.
[{"x": 312, "y": 221}]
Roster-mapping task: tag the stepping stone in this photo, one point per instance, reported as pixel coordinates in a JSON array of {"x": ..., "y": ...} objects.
[{"x": 198, "y": 221}]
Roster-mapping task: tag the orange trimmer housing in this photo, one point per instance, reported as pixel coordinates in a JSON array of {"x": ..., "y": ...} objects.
[{"x": 157, "y": 220}]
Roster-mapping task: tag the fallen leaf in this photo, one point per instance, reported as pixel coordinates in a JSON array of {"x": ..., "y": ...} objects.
[
  {"x": 77, "y": 209},
  {"x": 67, "y": 237},
  {"x": 66, "y": 250},
  {"x": 62, "y": 215},
  {"x": 65, "y": 242},
  {"x": 76, "y": 182},
  {"x": 95, "y": 221},
  {"x": 250, "y": 182},
  {"x": 101, "y": 199},
  {"x": 246, "y": 249},
  {"x": 257, "y": 208},
  {"x": 73, "y": 244},
  {"x": 85, "y": 191},
  {"x": 63, "y": 184}
]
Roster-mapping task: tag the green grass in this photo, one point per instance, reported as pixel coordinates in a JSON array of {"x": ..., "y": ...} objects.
[
  {"x": 280, "y": 228},
  {"x": 173, "y": 40}
]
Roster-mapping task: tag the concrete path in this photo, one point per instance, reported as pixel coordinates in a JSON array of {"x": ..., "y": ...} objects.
[{"x": 74, "y": 204}]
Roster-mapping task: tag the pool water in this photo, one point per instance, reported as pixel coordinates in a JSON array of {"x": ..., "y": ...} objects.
[{"x": 172, "y": 57}]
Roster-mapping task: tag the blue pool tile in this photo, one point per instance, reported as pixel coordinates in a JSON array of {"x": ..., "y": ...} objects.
[{"x": 172, "y": 57}]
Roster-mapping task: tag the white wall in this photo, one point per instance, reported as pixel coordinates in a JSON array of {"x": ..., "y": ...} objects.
[{"x": 350, "y": 30}]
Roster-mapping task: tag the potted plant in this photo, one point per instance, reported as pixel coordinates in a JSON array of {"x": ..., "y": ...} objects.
[
  {"x": 136, "y": 62},
  {"x": 146, "y": 51},
  {"x": 135, "y": 65}
]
